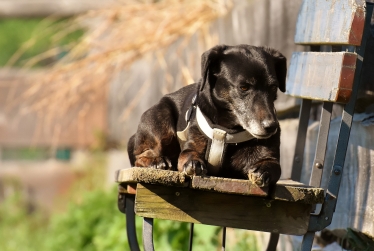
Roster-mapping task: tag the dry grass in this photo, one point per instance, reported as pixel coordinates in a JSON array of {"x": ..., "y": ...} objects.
[{"x": 116, "y": 37}]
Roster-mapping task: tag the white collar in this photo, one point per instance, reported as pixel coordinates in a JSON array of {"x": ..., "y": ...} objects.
[{"x": 229, "y": 138}]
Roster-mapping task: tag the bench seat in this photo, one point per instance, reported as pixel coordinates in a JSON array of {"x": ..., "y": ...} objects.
[{"x": 227, "y": 202}]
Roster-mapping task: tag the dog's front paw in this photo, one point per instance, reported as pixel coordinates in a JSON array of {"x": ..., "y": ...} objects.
[
  {"x": 161, "y": 163},
  {"x": 265, "y": 173},
  {"x": 194, "y": 168},
  {"x": 154, "y": 162},
  {"x": 191, "y": 165}
]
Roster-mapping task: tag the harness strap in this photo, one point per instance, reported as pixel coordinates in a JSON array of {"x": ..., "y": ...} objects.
[
  {"x": 219, "y": 138},
  {"x": 215, "y": 157},
  {"x": 182, "y": 135},
  {"x": 229, "y": 138}
]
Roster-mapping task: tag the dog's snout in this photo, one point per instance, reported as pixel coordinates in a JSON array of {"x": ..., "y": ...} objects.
[{"x": 269, "y": 125}]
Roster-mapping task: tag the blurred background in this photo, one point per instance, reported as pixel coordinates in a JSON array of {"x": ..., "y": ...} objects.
[{"x": 75, "y": 77}]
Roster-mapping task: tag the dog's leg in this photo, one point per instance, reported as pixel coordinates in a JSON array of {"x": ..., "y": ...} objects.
[
  {"x": 256, "y": 161},
  {"x": 155, "y": 143},
  {"x": 150, "y": 159},
  {"x": 148, "y": 152},
  {"x": 191, "y": 159}
]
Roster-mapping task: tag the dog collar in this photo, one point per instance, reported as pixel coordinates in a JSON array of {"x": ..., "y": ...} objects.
[
  {"x": 228, "y": 138},
  {"x": 219, "y": 140}
]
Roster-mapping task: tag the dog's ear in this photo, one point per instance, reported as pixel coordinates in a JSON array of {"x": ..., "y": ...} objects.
[
  {"x": 280, "y": 67},
  {"x": 207, "y": 59}
]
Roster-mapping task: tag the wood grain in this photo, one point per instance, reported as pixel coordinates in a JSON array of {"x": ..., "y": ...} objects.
[
  {"x": 224, "y": 185},
  {"x": 151, "y": 176},
  {"x": 330, "y": 22},
  {"x": 292, "y": 191},
  {"x": 326, "y": 76},
  {"x": 237, "y": 211}
]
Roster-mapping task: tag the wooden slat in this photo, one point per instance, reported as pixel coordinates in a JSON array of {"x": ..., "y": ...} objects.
[
  {"x": 224, "y": 185},
  {"x": 151, "y": 176},
  {"x": 237, "y": 211},
  {"x": 330, "y": 22},
  {"x": 292, "y": 191},
  {"x": 326, "y": 76},
  {"x": 285, "y": 190}
]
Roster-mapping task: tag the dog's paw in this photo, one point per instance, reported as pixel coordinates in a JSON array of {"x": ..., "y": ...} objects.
[
  {"x": 162, "y": 163},
  {"x": 260, "y": 179},
  {"x": 265, "y": 174},
  {"x": 194, "y": 168}
]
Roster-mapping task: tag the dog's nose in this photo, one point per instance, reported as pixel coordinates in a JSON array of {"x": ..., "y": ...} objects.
[{"x": 269, "y": 125}]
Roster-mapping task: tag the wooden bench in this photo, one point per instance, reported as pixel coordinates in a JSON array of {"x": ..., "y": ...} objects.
[{"x": 339, "y": 29}]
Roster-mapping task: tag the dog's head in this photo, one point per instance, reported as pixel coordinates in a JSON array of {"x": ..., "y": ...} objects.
[{"x": 243, "y": 81}]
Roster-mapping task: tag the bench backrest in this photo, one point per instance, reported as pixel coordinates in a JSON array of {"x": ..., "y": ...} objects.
[{"x": 330, "y": 76}]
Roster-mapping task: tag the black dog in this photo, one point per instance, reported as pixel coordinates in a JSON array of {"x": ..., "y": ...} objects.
[{"x": 225, "y": 125}]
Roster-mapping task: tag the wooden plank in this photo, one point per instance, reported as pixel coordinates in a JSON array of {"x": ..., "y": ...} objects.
[
  {"x": 330, "y": 22},
  {"x": 285, "y": 190},
  {"x": 237, "y": 211},
  {"x": 224, "y": 185},
  {"x": 151, "y": 176},
  {"x": 292, "y": 191},
  {"x": 326, "y": 76},
  {"x": 355, "y": 206}
]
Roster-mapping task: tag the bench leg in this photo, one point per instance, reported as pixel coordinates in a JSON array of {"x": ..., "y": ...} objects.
[
  {"x": 307, "y": 241},
  {"x": 223, "y": 238},
  {"x": 191, "y": 236},
  {"x": 130, "y": 223},
  {"x": 148, "y": 234},
  {"x": 273, "y": 242}
]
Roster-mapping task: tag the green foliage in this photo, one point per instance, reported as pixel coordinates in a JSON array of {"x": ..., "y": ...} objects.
[
  {"x": 95, "y": 224},
  {"x": 92, "y": 222},
  {"x": 245, "y": 241},
  {"x": 17, "y": 225},
  {"x": 35, "y": 35}
]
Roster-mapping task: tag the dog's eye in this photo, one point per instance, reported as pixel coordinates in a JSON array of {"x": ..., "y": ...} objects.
[{"x": 244, "y": 87}]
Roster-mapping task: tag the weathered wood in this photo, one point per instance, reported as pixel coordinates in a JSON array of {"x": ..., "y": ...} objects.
[
  {"x": 237, "y": 211},
  {"x": 355, "y": 206},
  {"x": 151, "y": 176},
  {"x": 326, "y": 76},
  {"x": 292, "y": 191},
  {"x": 330, "y": 22},
  {"x": 224, "y": 185},
  {"x": 285, "y": 190}
]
